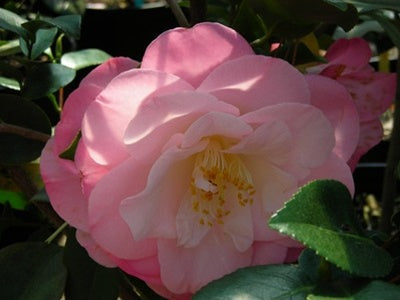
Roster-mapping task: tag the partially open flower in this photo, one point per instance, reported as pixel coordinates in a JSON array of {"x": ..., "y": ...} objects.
[
  {"x": 182, "y": 161},
  {"x": 372, "y": 92}
]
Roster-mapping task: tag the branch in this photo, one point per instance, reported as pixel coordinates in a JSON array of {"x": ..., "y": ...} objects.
[
  {"x": 24, "y": 132},
  {"x": 390, "y": 180},
  {"x": 178, "y": 13}
]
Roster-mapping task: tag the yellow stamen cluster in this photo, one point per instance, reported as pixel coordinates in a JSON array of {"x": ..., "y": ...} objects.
[{"x": 216, "y": 177}]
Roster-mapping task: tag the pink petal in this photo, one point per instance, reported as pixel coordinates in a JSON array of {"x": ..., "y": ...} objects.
[
  {"x": 268, "y": 253},
  {"x": 311, "y": 133},
  {"x": 372, "y": 92},
  {"x": 152, "y": 212},
  {"x": 371, "y": 133},
  {"x": 217, "y": 124},
  {"x": 63, "y": 185},
  {"x": 214, "y": 257},
  {"x": 253, "y": 81},
  {"x": 334, "y": 168},
  {"x": 353, "y": 53},
  {"x": 163, "y": 291},
  {"x": 293, "y": 254},
  {"x": 80, "y": 99},
  {"x": 193, "y": 53},
  {"x": 106, "y": 119},
  {"x": 166, "y": 115},
  {"x": 94, "y": 250},
  {"x": 147, "y": 269},
  {"x": 337, "y": 105},
  {"x": 107, "y": 227}
]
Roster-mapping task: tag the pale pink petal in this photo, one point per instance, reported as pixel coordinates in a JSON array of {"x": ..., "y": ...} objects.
[
  {"x": 163, "y": 116},
  {"x": 215, "y": 124},
  {"x": 337, "y": 105},
  {"x": 255, "y": 81},
  {"x": 152, "y": 212},
  {"x": 63, "y": 185},
  {"x": 353, "y": 53},
  {"x": 163, "y": 291},
  {"x": 311, "y": 132},
  {"x": 91, "y": 172},
  {"x": 147, "y": 269},
  {"x": 268, "y": 253},
  {"x": 94, "y": 250},
  {"x": 372, "y": 92},
  {"x": 107, "y": 227},
  {"x": 189, "y": 269},
  {"x": 371, "y": 133},
  {"x": 80, "y": 99},
  {"x": 106, "y": 119},
  {"x": 192, "y": 53},
  {"x": 334, "y": 168}
]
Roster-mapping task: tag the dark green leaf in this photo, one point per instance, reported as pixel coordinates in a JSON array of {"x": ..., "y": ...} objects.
[
  {"x": 321, "y": 216},
  {"x": 260, "y": 282},
  {"x": 46, "y": 78},
  {"x": 338, "y": 3},
  {"x": 69, "y": 24},
  {"x": 84, "y": 58},
  {"x": 86, "y": 279},
  {"x": 12, "y": 22},
  {"x": 389, "y": 26},
  {"x": 9, "y": 83},
  {"x": 32, "y": 271},
  {"x": 69, "y": 153},
  {"x": 15, "y": 149},
  {"x": 43, "y": 39},
  {"x": 10, "y": 48},
  {"x": 381, "y": 4}
]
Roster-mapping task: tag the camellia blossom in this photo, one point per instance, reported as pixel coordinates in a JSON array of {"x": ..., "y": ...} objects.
[
  {"x": 372, "y": 92},
  {"x": 181, "y": 162}
]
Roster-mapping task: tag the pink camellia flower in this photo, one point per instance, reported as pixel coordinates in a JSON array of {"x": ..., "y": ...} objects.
[
  {"x": 181, "y": 162},
  {"x": 372, "y": 92}
]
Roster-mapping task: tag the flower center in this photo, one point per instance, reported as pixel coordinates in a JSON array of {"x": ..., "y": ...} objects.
[{"x": 216, "y": 178}]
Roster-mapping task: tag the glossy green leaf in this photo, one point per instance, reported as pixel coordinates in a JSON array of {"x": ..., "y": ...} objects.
[
  {"x": 43, "y": 39},
  {"x": 10, "y": 48},
  {"x": 84, "y": 58},
  {"x": 9, "y": 83},
  {"x": 321, "y": 216},
  {"x": 16, "y": 200},
  {"x": 69, "y": 24},
  {"x": 69, "y": 153},
  {"x": 15, "y": 149},
  {"x": 260, "y": 282},
  {"x": 392, "y": 29},
  {"x": 381, "y": 4},
  {"x": 12, "y": 22},
  {"x": 43, "y": 79},
  {"x": 32, "y": 271},
  {"x": 86, "y": 279}
]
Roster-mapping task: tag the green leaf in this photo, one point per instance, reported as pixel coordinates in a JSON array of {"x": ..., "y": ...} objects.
[
  {"x": 9, "y": 83},
  {"x": 15, "y": 110},
  {"x": 43, "y": 79},
  {"x": 10, "y": 48},
  {"x": 391, "y": 28},
  {"x": 260, "y": 282},
  {"x": 338, "y": 3},
  {"x": 86, "y": 279},
  {"x": 12, "y": 22},
  {"x": 16, "y": 200},
  {"x": 69, "y": 24},
  {"x": 32, "y": 271},
  {"x": 69, "y": 153},
  {"x": 84, "y": 58},
  {"x": 321, "y": 216},
  {"x": 381, "y": 4},
  {"x": 43, "y": 39}
]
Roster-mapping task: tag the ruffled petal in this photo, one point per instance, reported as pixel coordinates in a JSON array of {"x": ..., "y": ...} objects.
[
  {"x": 80, "y": 99},
  {"x": 213, "y": 258},
  {"x": 258, "y": 81},
  {"x": 268, "y": 253},
  {"x": 107, "y": 227},
  {"x": 63, "y": 185},
  {"x": 106, "y": 119},
  {"x": 166, "y": 115},
  {"x": 193, "y": 53},
  {"x": 337, "y": 105},
  {"x": 147, "y": 269}
]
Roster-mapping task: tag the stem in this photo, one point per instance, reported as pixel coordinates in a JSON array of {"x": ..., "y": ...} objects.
[
  {"x": 24, "y": 132},
  {"x": 178, "y": 13},
  {"x": 56, "y": 233},
  {"x": 390, "y": 180},
  {"x": 198, "y": 11}
]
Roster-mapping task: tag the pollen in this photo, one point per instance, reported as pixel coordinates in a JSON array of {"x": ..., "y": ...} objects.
[{"x": 220, "y": 182}]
